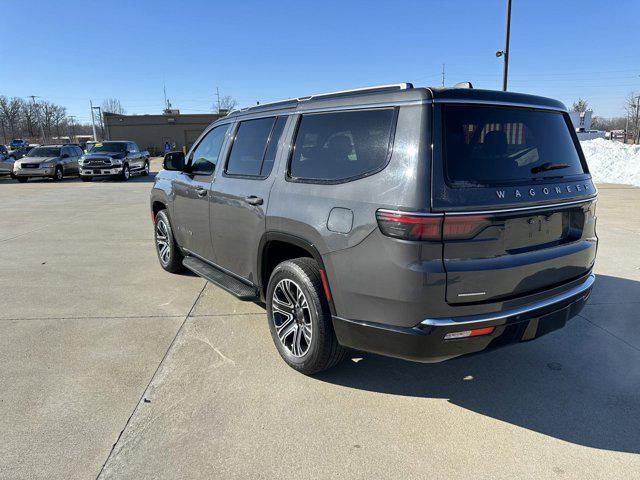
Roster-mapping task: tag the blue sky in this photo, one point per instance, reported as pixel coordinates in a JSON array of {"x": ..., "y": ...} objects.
[{"x": 71, "y": 51}]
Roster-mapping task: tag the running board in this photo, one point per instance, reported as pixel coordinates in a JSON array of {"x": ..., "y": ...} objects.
[{"x": 221, "y": 279}]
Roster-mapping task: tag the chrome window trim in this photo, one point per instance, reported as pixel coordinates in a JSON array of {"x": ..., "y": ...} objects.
[
  {"x": 480, "y": 320},
  {"x": 483, "y": 212},
  {"x": 524, "y": 209}
]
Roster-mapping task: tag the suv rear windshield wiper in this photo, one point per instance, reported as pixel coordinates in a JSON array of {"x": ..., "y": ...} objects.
[{"x": 549, "y": 166}]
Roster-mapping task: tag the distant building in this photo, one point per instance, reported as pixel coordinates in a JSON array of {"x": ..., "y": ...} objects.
[{"x": 151, "y": 132}]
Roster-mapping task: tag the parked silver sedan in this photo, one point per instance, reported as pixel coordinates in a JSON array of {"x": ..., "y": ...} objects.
[{"x": 49, "y": 161}]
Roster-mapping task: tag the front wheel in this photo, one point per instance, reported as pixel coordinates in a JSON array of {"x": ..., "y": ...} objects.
[
  {"x": 126, "y": 173},
  {"x": 22, "y": 179},
  {"x": 86, "y": 179},
  {"x": 58, "y": 174},
  {"x": 300, "y": 318},
  {"x": 167, "y": 248}
]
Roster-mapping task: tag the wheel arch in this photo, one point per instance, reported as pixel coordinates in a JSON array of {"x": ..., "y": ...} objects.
[{"x": 276, "y": 247}]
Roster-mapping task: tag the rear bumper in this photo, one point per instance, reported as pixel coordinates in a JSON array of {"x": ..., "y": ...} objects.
[{"x": 426, "y": 343}]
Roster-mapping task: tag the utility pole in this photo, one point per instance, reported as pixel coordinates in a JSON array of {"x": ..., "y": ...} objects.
[
  {"x": 218, "y": 95},
  {"x": 443, "y": 74},
  {"x": 166, "y": 106},
  {"x": 505, "y": 53},
  {"x": 37, "y": 112},
  {"x": 72, "y": 121},
  {"x": 93, "y": 122},
  {"x": 637, "y": 139}
]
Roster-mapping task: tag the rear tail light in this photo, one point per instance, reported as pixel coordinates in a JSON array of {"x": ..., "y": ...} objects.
[
  {"x": 412, "y": 226},
  {"x": 409, "y": 226},
  {"x": 478, "y": 332},
  {"x": 464, "y": 226}
]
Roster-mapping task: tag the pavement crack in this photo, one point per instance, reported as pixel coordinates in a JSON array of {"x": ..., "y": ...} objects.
[
  {"x": 609, "y": 332},
  {"x": 155, "y": 373},
  {"x": 204, "y": 339}
]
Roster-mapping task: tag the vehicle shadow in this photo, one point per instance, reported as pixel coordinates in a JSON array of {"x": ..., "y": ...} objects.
[
  {"x": 134, "y": 179},
  {"x": 579, "y": 384}
]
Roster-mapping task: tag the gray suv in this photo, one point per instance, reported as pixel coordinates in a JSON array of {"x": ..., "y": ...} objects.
[
  {"x": 49, "y": 161},
  {"x": 418, "y": 223}
]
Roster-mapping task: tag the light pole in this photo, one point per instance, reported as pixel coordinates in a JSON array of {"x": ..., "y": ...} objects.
[
  {"x": 93, "y": 122},
  {"x": 100, "y": 118},
  {"x": 505, "y": 53}
]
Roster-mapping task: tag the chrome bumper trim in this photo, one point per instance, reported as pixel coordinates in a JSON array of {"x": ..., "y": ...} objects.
[{"x": 480, "y": 320}]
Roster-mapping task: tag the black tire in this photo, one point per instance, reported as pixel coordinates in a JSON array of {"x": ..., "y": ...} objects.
[
  {"x": 171, "y": 262},
  {"x": 145, "y": 169},
  {"x": 126, "y": 173},
  {"x": 58, "y": 174},
  {"x": 86, "y": 179},
  {"x": 22, "y": 179},
  {"x": 323, "y": 350}
]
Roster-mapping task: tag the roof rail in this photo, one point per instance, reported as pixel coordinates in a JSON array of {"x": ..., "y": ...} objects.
[
  {"x": 288, "y": 101},
  {"x": 393, "y": 86}
]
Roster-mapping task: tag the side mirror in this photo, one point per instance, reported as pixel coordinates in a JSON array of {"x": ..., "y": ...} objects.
[{"x": 174, "y": 161}]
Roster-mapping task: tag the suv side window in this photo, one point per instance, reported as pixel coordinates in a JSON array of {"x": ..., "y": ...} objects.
[
  {"x": 249, "y": 147},
  {"x": 334, "y": 147},
  {"x": 205, "y": 157},
  {"x": 132, "y": 147}
]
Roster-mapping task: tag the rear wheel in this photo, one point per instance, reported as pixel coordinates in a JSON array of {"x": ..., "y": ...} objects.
[
  {"x": 300, "y": 318},
  {"x": 166, "y": 246},
  {"x": 145, "y": 170},
  {"x": 126, "y": 173}
]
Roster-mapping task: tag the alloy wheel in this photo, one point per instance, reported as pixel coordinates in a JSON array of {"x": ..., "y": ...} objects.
[
  {"x": 163, "y": 241},
  {"x": 292, "y": 317}
]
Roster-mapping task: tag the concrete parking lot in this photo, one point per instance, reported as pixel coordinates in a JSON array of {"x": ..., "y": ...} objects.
[{"x": 112, "y": 368}]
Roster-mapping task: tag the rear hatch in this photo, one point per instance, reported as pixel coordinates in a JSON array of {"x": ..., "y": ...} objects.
[{"x": 517, "y": 200}]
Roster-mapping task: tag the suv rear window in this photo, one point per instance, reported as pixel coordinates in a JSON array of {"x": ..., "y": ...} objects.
[
  {"x": 343, "y": 145},
  {"x": 496, "y": 145}
]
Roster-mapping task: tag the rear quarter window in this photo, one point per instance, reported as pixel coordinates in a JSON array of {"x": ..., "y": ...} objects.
[
  {"x": 335, "y": 147},
  {"x": 488, "y": 145}
]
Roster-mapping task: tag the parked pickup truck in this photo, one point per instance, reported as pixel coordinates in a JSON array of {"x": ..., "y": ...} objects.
[{"x": 118, "y": 159}]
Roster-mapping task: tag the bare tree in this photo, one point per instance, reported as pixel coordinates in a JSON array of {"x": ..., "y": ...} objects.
[
  {"x": 112, "y": 105},
  {"x": 10, "y": 109},
  {"x": 632, "y": 107},
  {"x": 580, "y": 105},
  {"x": 225, "y": 104}
]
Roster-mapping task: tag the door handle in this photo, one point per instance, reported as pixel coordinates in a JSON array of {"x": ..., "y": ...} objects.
[
  {"x": 253, "y": 200},
  {"x": 201, "y": 191}
]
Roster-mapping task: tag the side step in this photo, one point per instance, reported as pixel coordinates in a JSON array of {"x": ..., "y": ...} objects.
[{"x": 221, "y": 279}]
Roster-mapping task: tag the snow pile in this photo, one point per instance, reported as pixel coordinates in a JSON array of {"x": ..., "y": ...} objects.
[{"x": 612, "y": 162}]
